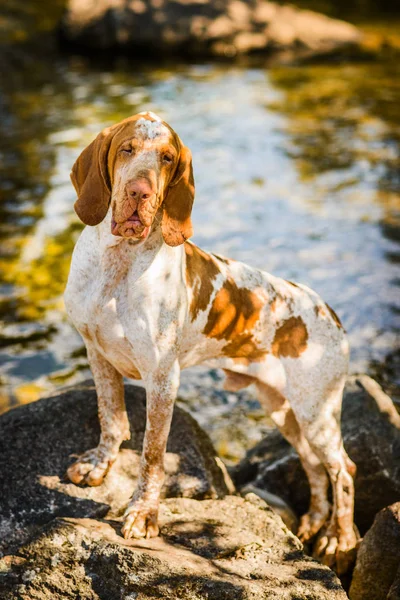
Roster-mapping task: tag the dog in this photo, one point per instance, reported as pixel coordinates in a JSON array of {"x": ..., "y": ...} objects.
[{"x": 148, "y": 303}]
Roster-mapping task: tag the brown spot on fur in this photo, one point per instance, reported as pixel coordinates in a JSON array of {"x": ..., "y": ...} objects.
[
  {"x": 98, "y": 338},
  {"x": 234, "y": 311},
  {"x": 281, "y": 303},
  {"x": 276, "y": 401},
  {"x": 134, "y": 373},
  {"x": 237, "y": 381},
  {"x": 291, "y": 338},
  {"x": 276, "y": 301},
  {"x": 222, "y": 258},
  {"x": 201, "y": 270},
  {"x": 84, "y": 331},
  {"x": 293, "y": 284},
  {"x": 334, "y": 317},
  {"x": 244, "y": 348},
  {"x": 241, "y": 360},
  {"x": 232, "y": 317},
  {"x": 319, "y": 311}
]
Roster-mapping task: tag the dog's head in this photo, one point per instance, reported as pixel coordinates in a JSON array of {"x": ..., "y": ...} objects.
[{"x": 139, "y": 165}]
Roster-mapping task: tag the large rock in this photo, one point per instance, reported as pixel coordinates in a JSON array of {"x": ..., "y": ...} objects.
[
  {"x": 219, "y": 27},
  {"x": 38, "y": 440},
  {"x": 371, "y": 431},
  {"x": 377, "y": 571},
  {"x": 230, "y": 549}
]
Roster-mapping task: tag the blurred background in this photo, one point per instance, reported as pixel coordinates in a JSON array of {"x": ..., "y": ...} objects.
[{"x": 293, "y": 120}]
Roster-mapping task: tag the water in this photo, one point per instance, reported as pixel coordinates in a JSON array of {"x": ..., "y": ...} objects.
[{"x": 297, "y": 172}]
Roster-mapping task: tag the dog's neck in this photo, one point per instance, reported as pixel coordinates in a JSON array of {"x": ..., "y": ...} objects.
[{"x": 121, "y": 253}]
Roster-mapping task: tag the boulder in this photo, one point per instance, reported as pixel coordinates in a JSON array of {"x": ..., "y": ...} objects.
[
  {"x": 38, "y": 441},
  {"x": 377, "y": 572},
  {"x": 227, "y": 549},
  {"x": 371, "y": 432},
  {"x": 221, "y": 27}
]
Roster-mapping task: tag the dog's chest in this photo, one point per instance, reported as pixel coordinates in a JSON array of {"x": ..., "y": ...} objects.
[
  {"x": 111, "y": 333},
  {"x": 107, "y": 322},
  {"x": 103, "y": 308}
]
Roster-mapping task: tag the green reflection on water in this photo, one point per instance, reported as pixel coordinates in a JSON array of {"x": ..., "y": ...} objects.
[
  {"x": 23, "y": 21},
  {"x": 343, "y": 118},
  {"x": 42, "y": 280}
]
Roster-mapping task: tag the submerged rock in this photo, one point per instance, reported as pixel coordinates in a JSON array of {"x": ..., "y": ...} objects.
[
  {"x": 377, "y": 571},
  {"x": 223, "y": 27},
  {"x": 371, "y": 432},
  {"x": 37, "y": 442},
  {"x": 229, "y": 549}
]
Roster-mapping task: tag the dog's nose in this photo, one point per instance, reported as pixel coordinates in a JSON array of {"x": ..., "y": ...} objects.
[{"x": 139, "y": 189}]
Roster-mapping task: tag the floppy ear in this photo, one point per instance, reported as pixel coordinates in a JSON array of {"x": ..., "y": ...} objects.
[
  {"x": 91, "y": 182},
  {"x": 176, "y": 223}
]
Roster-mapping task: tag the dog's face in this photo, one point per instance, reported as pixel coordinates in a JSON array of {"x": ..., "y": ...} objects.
[{"x": 141, "y": 166}]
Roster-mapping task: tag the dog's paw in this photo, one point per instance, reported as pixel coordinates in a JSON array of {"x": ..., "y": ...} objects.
[
  {"x": 337, "y": 550},
  {"x": 311, "y": 523},
  {"x": 140, "y": 520},
  {"x": 91, "y": 467}
]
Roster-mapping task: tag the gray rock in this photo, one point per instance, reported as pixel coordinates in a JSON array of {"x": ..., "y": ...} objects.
[
  {"x": 371, "y": 431},
  {"x": 229, "y": 549},
  {"x": 37, "y": 442},
  {"x": 221, "y": 27},
  {"x": 377, "y": 571}
]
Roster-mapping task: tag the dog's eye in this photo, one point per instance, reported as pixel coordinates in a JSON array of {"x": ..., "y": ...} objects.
[
  {"x": 126, "y": 150},
  {"x": 167, "y": 158}
]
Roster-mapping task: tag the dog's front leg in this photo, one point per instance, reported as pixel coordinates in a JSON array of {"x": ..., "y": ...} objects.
[
  {"x": 142, "y": 512},
  {"x": 93, "y": 465}
]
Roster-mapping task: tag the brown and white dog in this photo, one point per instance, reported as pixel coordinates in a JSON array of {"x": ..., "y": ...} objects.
[{"x": 148, "y": 303}]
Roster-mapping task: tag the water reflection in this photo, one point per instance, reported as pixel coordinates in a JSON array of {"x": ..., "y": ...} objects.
[
  {"x": 343, "y": 133},
  {"x": 344, "y": 119},
  {"x": 296, "y": 171}
]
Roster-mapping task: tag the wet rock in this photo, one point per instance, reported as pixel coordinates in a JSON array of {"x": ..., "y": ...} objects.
[
  {"x": 371, "y": 431},
  {"x": 37, "y": 442},
  {"x": 377, "y": 571},
  {"x": 229, "y": 549},
  {"x": 225, "y": 28}
]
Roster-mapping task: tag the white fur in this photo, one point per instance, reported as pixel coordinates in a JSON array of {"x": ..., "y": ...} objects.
[{"x": 151, "y": 129}]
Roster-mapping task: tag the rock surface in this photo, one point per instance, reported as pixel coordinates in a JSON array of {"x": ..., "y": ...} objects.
[
  {"x": 229, "y": 549},
  {"x": 219, "y": 27},
  {"x": 371, "y": 431},
  {"x": 38, "y": 440},
  {"x": 377, "y": 571}
]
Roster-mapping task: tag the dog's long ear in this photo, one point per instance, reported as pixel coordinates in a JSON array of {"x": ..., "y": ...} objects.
[
  {"x": 176, "y": 223},
  {"x": 91, "y": 181}
]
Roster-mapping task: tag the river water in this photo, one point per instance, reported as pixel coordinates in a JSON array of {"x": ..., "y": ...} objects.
[{"x": 297, "y": 172}]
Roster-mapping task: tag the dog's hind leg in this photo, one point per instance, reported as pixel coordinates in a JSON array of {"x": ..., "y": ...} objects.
[
  {"x": 279, "y": 409},
  {"x": 319, "y": 419}
]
